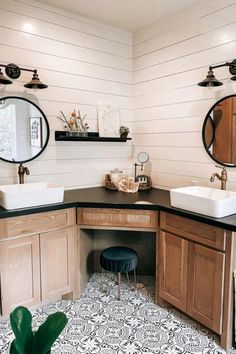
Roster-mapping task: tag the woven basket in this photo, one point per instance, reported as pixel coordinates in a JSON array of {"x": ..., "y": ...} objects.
[
  {"x": 108, "y": 183},
  {"x": 142, "y": 185}
]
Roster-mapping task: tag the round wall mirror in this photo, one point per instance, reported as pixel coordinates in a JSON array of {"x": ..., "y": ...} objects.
[
  {"x": 143, "y": 157},
  {"x": 219, "y": 131},
  {"x": 24, "y": 130}
]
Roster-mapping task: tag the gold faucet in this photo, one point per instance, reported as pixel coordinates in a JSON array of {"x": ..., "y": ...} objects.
[
  {"x": 21, "y": 172},
  {"x": 223, "y": 177}
]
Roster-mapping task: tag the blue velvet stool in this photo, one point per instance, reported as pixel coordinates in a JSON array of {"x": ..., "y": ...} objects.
[{"x": 119, "y": 260}]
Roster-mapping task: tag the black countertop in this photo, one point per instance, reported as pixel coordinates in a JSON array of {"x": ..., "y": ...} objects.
[{"x": 101, "y": 197}]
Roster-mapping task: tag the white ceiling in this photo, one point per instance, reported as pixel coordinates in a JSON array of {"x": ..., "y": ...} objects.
[{"x": 127, "y": 14}]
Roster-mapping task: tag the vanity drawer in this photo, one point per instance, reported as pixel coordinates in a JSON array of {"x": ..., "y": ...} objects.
[
  {"x": 36, "y": 223},
  {"x": 121, "y": 218},
  {"x": 193, "y": 230}
]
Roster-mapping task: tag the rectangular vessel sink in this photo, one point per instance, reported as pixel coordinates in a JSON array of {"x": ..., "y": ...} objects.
[
  {"x": 203, "y": 200},
  {"x": 15, "y": 196}
]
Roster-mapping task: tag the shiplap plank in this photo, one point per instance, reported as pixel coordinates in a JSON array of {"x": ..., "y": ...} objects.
[
  {"x": 37, "y": 167},
  {"x": 183, "y": 22},
  {"x": 179, "y": 153},
  {"x": 188, "y": 79},
  {"x": 193, "y": 45},
  {"x": 187, "y": 124},
  {"x": 189, "y": 62},
  {"x": 74, "y": 95},
  {"x": 185, "y": 94},
  {"x": 10, "y": 37},
  {"x": 172, "y": 111},
  {"x": 207, "y": 26},
  {"x": 168, "y": 139},
  {"x": 52, "y": 31},
  {"x": 69, "y": 79},
  {"x": 63, "y": 151},
  {"x": 54, "y": 63},
  {"x": 167, "y": 181},
  {"x": 74, "y": 16},
  {"x": 52, "y": 107},
  {"x": 69, "y": 21}
]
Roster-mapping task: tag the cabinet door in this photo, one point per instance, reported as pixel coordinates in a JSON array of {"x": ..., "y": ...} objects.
[
  {"x": 205, "y": 286},
  {"x": 20, "y": 272},
  {"x": 172, "y": 264},
  {"x": 57, "y": 263}
]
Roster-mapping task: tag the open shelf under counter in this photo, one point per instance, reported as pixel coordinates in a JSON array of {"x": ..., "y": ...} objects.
[{"x": 92, "y": 136}]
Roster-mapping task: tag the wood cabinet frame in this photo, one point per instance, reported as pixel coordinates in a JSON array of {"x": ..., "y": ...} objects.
[
  {"x": 217, "y": 245},
  {"x": 26, "y": 246}
]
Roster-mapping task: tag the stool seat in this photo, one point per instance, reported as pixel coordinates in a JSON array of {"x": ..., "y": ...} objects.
[{"x": 119, "y": 259}]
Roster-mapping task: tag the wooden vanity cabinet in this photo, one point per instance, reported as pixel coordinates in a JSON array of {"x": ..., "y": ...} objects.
[
  {"x": 205, "y": 286},
  {"x": 194, "y": 270},
  {"x": 173, "y": 270},
  {"x": 122, "y": 219},
  {"x": 57, "y": 263},
  {"x": 37, "y": 267},
  {"x": 20, "y": 272}
]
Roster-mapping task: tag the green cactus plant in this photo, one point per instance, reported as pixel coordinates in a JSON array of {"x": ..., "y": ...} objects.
[{"x": 40, "y": 342}]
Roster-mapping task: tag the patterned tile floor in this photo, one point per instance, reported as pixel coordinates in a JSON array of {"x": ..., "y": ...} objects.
[{"x": 98, "y": 323}]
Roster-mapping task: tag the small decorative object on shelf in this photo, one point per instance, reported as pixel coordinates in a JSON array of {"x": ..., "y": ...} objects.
[
  {"x": 124, "y": 131},
  {"x": 145, "y": 182},
  {"x": 108, "y": 119},
  {"x": 74, "y": 124}
]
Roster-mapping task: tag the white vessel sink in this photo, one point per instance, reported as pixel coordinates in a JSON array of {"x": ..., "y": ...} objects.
[
  {"x": 15, "y": 196},
  {"x": 208, "y": 201}
]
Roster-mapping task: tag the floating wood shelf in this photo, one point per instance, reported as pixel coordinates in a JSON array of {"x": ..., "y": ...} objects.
[{"x": 92, "y": 136}]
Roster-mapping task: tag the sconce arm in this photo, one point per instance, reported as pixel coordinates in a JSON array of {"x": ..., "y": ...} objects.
[
  {"x": 14, "y": 71},
  {"x": 231, "y": 64},
  {"x": 135, "y": 170}
]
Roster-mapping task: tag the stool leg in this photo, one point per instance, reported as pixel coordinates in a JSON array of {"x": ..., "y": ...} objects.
[
  {"x": 103, "y": 286},
  {"x": 127, "y": 276},
  {"x": 118, "y": 278},
  {"x": 135, "y": 280}
]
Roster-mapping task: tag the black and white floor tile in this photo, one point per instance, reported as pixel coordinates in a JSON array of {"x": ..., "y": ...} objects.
[{"x": 100, "y": 324}]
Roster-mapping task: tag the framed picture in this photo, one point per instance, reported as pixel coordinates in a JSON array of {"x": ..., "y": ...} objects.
[
  {"x": 36, "y": 132},
  {"x": 108, "y": 120}
]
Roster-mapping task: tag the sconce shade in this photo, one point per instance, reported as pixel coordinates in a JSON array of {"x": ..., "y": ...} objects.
[
  {"x": 35, "y": 83},
  {"x": 210, "y": 80},
  {"x": 232, "y": 68},
  {"x": 4, "y": 80}
]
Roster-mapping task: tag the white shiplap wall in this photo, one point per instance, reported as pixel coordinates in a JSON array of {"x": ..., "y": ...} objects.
[
  {"x": 170, "y": 57},
  {"x": 83, "y": 62}
]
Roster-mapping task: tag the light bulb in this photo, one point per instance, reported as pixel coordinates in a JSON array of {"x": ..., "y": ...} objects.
[{"x": 35, "y": 87}]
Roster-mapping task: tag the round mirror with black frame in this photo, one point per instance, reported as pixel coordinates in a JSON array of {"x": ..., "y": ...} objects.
[
  {"x": 24, "y": 130},
  {"x": 219, "y": 131}
]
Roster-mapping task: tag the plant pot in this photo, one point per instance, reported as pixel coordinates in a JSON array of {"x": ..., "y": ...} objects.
[{"x": 124, "y": 135}]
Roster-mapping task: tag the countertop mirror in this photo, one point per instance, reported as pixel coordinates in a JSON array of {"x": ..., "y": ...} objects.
[
  {"x": 24, "y": 130},
  {"x": 219, "y": 131}
]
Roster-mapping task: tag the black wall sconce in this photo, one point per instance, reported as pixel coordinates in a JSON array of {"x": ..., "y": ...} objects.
[
  {"x": 13, "y": 71},
  {"x": 211, "y": 81}
]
